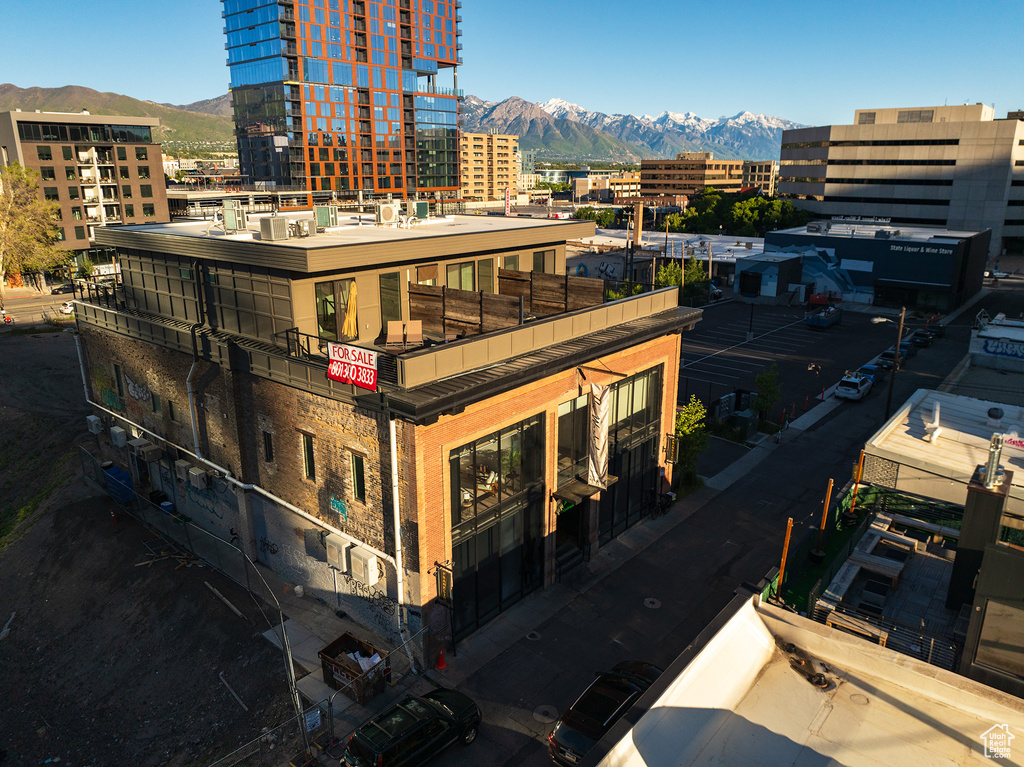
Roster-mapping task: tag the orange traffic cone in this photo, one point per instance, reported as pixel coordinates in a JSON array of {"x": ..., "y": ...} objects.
[{"x": 440, "y": 665}]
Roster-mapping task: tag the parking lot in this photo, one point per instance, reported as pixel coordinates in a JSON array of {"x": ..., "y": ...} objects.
[{"x": 717, "y": 358}]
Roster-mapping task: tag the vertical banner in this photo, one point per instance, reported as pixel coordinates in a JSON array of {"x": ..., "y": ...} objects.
[
  {"x": 508, "y": 201},
  {"x": 597, "y": 449}
]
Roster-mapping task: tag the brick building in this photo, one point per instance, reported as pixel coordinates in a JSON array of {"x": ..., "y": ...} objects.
[
  {"x": 474, "y": 437},
  {"x": 489, "y": 162},
  {"x": 689, "y": 174}
]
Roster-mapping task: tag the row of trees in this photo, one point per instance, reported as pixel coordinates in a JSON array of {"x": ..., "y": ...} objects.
[
  {"x": 28, "y": 226},
  {"x": 604, "y": 217},
  {"x": 742, "y": 215}
]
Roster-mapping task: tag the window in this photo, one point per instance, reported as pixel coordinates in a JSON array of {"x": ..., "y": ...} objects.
[
  {"x": 126, "y": 191},
  {"x": 544, "y": 261},
  {"x": 44, "y": 153},
  {"x": 914, "y": 116},
  {"x": 426, "y": 275},
  {"x": 80, "y": 232},
  {"x": 59, "y": 235},
  {"x": 155, "y": 402},
  {"x": 70, "y": 173},
  {"x": 51, "y": 193},
  {"x": 336, "y": 315},
  {"x": 172, "y": 411},
  {"x": 129, "y": 211},
  {"x": 119, "y": 380},
  {"x": 461, "y": 277},
  {"x": 140, "y": 153},
  {"x": 47, "y": 173},
  {"x": 358, "y": 478},
  {"x": 143, "y": 171},
  {"x": 67, "y": 152},
  {"x": 486, "y": 269},
  {"x": 122, "y": 154},
  {"x": 573, "y": 433},
  {"x": 76, "y": 214},
  {"x": 390, "y": 298},
  {"x": 148, "y": 209},
  {"x": 308, "y": 461},
  {"x": 512, "y": 262},
  {"x": 268, "y": 447},
  {"x": 73, "y": 192},
  {"x": 185, "y": 274},
  {"x": 124, "y": 173},
  {"x": 145, "y": 190}
]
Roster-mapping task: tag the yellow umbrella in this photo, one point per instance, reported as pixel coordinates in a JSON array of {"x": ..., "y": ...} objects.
[{"x": 350, "y": 328}]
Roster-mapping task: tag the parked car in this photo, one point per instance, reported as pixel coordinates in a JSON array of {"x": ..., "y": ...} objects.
[
  {"x": 921, "y": 338},
  {"x": 68, "y": 307},
  {"x": 935, "y": 330},
  {"x": 907, "y": 349},
  {"x": 854, "y": 385},
  {"x": 415, "y": 730},
  {"x": 875, "y": 372},
  {"x": 716, "y": 294},
  {"x": 887, "y": 359},
  {"x": 66, "y": 288},
  {"x": 600, "y": 706}
]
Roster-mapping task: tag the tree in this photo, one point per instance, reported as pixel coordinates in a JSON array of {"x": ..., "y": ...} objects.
[
  {"x": 692, "y": 438},
  {"x": 695, "y": 279},
  {"x": 27, "y": 229},
  {"x": 669, "y": 274},
  {"x": 769, "y": 392}
]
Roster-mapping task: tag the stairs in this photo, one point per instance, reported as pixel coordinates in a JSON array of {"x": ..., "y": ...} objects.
[{"x": 568, "y": 559}]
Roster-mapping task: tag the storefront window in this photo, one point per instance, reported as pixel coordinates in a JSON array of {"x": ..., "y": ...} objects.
[
  {"x": 497, "y": 521},
  {"x": 573, "y": 434}
]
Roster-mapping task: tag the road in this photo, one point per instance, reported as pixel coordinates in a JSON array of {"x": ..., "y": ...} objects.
[
  {"x": 693, "y": 567},
  {"x": 29, "y": 310}
]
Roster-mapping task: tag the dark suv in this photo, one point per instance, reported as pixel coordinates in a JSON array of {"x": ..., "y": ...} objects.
[
  {"x": 597, "y": 709},
  {"x": 413, "y": 731}
]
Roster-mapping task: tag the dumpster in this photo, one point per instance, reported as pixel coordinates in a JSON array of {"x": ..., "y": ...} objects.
[{"x": 355, "y": 667}]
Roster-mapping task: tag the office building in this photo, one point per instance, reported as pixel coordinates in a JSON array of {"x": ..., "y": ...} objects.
[
  {"x": 344, "y": 99},
  {"x": 489, "y": 164},
  {"x": 101, "y": 169},
  {"x": 606, "y": 188},
  {"x": 473, "y": 357},
  {"x": 761, "y": 174},
  {"x": 689, "y": 174},
  {"x": 950, "y": 166}
]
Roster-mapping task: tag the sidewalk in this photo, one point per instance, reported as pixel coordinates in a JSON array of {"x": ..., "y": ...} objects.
[{"x": 308, "y": 624}]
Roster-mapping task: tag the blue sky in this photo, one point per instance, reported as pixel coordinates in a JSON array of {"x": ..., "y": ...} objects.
[{"x": 810, "y": 62}]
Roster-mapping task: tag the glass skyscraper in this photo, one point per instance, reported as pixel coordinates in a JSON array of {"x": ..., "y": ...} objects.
[{"x": 343, "y": 96}]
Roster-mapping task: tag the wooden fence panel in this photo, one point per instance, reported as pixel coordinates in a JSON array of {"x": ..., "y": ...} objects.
[
  {"x": 583, "y": 292},
  {"x": 499, "y": 312}
]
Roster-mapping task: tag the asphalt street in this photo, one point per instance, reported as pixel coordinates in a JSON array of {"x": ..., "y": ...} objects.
[{"x": 692, "y": 567}]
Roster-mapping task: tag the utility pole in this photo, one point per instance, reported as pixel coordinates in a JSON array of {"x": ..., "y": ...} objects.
[{"x": 895, "y": 365}]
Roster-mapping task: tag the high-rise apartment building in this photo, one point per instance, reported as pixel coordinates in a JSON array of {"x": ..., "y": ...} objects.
[
  {"x": 689, "y": 174},
  {"x": 762, "y": 174},
  {"x": 489, "y": 164},
  {"x": 101, "y": 169},
  {"x": 343, "y": 96},
  {"x": 951, "y": 166}
]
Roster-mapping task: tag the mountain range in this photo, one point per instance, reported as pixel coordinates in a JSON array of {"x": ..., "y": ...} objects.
[
  {"x": 561, "y": 130},
  {"x": 557, "y": 129},
  {"x": 202, "y": 122}
]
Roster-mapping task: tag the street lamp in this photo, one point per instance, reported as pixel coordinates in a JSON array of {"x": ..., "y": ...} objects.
[{"x": 895, "y": 358}]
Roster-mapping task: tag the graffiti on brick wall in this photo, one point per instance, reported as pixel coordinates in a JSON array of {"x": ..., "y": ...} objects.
[
  {"x": 202, "y": 500},
  {"x": 136, "y": 391}
]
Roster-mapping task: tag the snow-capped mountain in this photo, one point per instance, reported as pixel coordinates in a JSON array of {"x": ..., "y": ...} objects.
[{"x": 744, "y": 136}]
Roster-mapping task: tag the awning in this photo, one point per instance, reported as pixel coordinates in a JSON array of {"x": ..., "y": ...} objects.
[{"x": 575, "y": 490}]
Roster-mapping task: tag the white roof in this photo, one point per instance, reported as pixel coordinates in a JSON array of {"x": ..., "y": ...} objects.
[
  {"x": 723, "y": 247},
  {"x": 740, "y": 702},
  {"x": 962, "y": 444}
]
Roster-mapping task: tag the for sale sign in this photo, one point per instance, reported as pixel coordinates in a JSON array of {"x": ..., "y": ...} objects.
[{"x": 352, "y": 365}]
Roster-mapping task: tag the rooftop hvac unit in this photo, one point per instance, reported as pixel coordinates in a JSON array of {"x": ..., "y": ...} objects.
[
  {"x": 118, "y": 436},
  {"x": 410, "y": 208},
  {"x": 299, "y": 228},
  {"x": 181, "y": 467},
  {"x": 198, "y": 478},
  {"x": 94, "y": 424},
  {"x": 274, "y": 228},
  {"x": 388, "y": 214},
  {"x": 749, "y": 246},
  {"x": 151, "y": 453},
  {"x": 422, "y": 209},
  {"x": 364, "y": 566},
  {"x": 234, "y": 217},
  {"x": 337, "y": 551},
  {"x": 882, "y": 234},
  {"x": 135, "y": 445},
  {"x": 814, "y": 227},
  {"x": 326, "y": 215}
]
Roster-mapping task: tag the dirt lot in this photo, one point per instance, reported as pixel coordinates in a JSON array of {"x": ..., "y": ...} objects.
[{"x": 107, "y": 663}]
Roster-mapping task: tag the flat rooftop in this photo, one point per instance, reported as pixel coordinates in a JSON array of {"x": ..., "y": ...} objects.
[
  {"x": 742, "y": 696},
  {"x": 356, "y": 229},
  {"x": 964, "y": 432},
  {"x": 723, "y": 247},
  {"x": 867, "y": 230}
]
